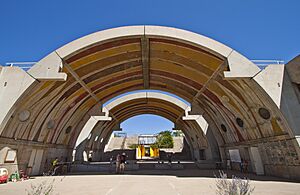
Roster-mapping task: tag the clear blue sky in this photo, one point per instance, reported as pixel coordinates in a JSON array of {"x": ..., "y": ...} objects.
[{"x": 259, "y": 29}]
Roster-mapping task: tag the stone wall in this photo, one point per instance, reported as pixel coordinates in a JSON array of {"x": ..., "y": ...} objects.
[
  {"x": 279, "y": 157},
  {"x": 32, "y": 157}
]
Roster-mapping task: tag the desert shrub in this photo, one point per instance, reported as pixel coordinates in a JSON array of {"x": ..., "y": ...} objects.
[
  {"x": 234, "y": 186},
  {"x": 43, "y": 188}
]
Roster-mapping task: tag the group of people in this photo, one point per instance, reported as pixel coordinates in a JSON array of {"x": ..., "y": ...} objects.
[{"x": 120, "y": 162}]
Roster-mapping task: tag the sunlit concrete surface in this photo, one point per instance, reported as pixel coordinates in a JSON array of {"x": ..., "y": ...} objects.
[
  {"x": 249, "y": 113},
  {"x": 142, "y": 182}
]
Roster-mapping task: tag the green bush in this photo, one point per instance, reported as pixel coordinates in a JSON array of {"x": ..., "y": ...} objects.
[{"x": 164, "y": 140}]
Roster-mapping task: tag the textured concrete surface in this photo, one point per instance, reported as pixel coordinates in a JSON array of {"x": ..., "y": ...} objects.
[
  {"x": 179, "y": 183},
  {"x": 40, "y": 109}
]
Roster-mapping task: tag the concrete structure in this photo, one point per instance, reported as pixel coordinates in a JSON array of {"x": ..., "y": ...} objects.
[
  {"x": 130, "y": 105},
  {"x": 255, "y": 111}
]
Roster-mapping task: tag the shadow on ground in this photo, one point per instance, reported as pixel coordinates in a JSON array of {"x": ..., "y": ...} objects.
[{"x": 192, "y": 173}]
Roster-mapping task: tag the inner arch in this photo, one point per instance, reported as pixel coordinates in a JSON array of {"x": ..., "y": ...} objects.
[{"x": 51, "y": 103}]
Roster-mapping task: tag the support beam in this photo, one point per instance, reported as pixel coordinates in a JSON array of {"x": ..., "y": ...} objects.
[
  {"x": 212, "y": 77},
  {"x": 82, "y": 83},
  {"x": 145, "y": 60}
]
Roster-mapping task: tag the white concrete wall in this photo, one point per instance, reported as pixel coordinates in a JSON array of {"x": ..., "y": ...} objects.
[
  {"x": 271, "y": 80},
  {"x": 12, "y": 166},
  {"x": 13, "y": 84}
]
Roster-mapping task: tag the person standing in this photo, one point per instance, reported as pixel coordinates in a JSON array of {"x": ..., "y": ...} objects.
[
  {"x": 122, "y": 161},
  {"x": 54, "y": 166}
]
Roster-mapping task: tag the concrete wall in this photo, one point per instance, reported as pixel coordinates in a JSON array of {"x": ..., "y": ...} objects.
[
  {"x": 290, "y": 106},
  {"x": 11, "y": 166},
  {"x": 25, "y": 159},
  {"x": 279, "y": 157},
  {"x": 14, "y": 82}
]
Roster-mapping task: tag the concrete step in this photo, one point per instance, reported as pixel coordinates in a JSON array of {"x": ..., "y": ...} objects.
[{"x": 101, "y": 167}]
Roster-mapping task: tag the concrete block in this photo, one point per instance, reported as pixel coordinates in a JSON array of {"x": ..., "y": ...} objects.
[
  {"x": 48, "y": 68},
  {"x": 240, "y": 67},
  {"x": 271, "y": 80}
]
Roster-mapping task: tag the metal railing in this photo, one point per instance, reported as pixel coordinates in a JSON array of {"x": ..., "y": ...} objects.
[
  {"x": 264, "y": 63},
  {"x": 24, "y": 65}
]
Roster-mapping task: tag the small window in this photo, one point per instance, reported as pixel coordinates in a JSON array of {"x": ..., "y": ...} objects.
[
  {"x": 264, "y": 113},
  {"x": 223, "y": 127},
  {"x": 69, "y": 129},
  {"x": 240, "y": 122}
]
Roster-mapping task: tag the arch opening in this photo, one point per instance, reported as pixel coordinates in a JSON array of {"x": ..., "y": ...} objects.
[
  {"x": 59, "y": 95},
  {"x": 131, "y": 105}
]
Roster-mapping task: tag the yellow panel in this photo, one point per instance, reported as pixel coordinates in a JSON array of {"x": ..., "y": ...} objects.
[
  {"x": 276, "y": 128},
  {"x": 139, "y": 151},
  {"x": 170, "y": 67},
  {"x": 197, "y": 56},
  {"x": 44, "y": 85},
  {"x": 105, "y": 54},
  {"x": 152, "y": 152}
]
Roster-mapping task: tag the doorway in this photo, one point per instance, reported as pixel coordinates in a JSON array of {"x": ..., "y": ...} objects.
[
  {"x": 257, "y": 164},
  {"x": 35, "y": 161}
]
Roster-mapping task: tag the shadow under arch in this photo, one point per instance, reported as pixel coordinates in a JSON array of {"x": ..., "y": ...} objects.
[
  {"x": 171, "y": 108},
  {"x": 58, "y": 93}
]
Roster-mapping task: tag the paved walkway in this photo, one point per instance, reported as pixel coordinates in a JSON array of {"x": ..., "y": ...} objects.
[{"x": 141, "y": 183}]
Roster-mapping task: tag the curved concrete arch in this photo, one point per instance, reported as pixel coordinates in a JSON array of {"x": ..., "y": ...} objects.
[
  {"x": 106, "y": 132},
  {"x": 235, "y": 59},
  {"x": 58, "y": 93},
  {"x": 90, "y": 125}
]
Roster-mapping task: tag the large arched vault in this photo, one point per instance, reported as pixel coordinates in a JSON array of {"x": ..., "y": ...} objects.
[
  {"x": 51, "y": 103},
  {"x": 99, "y": 128}
]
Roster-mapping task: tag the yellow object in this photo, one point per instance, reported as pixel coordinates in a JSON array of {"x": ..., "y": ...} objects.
[
  {"x": 141, "y": 150},
  {"x": 154, "y": 152}
]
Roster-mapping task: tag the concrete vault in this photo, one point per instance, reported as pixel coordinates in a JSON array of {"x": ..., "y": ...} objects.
[{"x": 44, "y": 110}]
